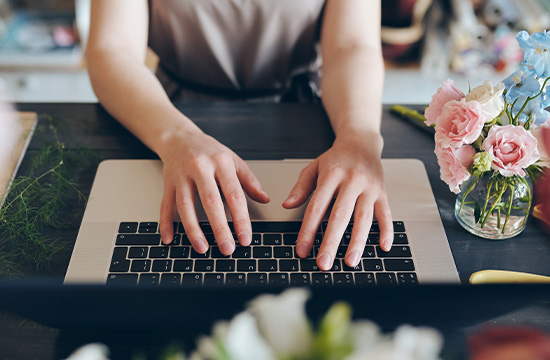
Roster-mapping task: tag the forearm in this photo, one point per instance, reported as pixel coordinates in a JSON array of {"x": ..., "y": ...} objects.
[
  {"x": 351, "y": 88},
  {"x": 132, "y": 94}
]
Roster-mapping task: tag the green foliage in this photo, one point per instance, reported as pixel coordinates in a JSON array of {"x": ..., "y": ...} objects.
[{"x": 38, "y": 202}]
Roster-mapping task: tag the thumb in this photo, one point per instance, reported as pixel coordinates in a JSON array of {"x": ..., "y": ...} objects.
[{"x": 303, "y": 188}]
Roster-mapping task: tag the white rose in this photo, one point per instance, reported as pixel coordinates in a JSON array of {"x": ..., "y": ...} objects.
[
  {"x": 490, "y": 98},
  {"x": 283, "y": 322}
]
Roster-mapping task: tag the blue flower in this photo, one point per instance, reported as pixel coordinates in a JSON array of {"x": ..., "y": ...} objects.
[
  {"x": 536, "y": 49},
  {"x": 522, "y": 82},
  {"x": 533, "y": 111}
]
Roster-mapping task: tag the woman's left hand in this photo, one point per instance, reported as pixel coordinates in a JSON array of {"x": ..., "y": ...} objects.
[{"x": 350, "y": 172}]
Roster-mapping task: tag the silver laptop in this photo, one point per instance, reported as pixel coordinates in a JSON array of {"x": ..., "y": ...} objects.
[{"x": 118, "y": 241}]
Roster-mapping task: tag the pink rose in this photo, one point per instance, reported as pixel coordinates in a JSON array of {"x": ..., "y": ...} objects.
[
  {"x": 513, "y": 149},
  {"x": 460, "y": 123},
  {"x": 454, "y": 163},
  {"x": 444, "y": 94}
]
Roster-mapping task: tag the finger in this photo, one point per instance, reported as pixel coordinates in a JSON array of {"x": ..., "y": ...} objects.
[
  {"x": 362, "y": 221},
  {"x": 236, "y": 201},
  {"x": 340, "y": 216},
  {"x": 250, "y": 182},
  {"x": 315, "y": 211},
  {"x": 167, "y": 206},
  {"x": 385, "y": 223},
  {"x": 213, "y": 207},
  {"x": 185, "y": 201},
  {"x": 303, "y": 187}
]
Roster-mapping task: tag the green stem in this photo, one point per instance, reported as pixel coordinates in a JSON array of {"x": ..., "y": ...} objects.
[
  {"x": 529, "y": 196},
  {"x": 467, "y": 193},
  {"x": 490, "y": 211},
  {"x": 512, "y": 189},
  {"x": 487, "y": 198}
]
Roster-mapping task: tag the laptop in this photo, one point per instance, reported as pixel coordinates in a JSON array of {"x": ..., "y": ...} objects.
[{"x": 118, "y": 241}]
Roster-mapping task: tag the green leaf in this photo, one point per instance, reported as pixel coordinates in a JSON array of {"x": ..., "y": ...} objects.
[{"x": 477, "y": 212}]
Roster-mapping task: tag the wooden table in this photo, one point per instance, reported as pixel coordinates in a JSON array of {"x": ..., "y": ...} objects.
[{"x": 266, "y": 131}]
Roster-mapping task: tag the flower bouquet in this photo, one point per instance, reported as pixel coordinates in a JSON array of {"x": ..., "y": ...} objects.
[{"x": 486, "y": 142}]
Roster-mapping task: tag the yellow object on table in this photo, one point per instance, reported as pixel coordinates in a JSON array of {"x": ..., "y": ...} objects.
[{"x": 506, "y": 277}]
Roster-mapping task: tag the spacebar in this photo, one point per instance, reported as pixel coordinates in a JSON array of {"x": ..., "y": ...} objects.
[{"x": 138, "y": 239}]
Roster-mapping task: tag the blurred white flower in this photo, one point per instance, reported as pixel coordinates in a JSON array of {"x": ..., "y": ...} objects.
[
  {"x": 9, "y": 131},
  {"x": 94, "y": 351},
  {"x": 283, "y": 322},
  {"x": 490, "y": 98},
  {"x": 544, "y": 156}
]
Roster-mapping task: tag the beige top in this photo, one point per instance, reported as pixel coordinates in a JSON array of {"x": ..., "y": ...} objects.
[{"x": 236, "y": 44}]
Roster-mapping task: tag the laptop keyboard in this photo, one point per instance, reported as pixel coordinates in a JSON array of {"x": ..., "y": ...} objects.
[{"x": 139, "y": 257}]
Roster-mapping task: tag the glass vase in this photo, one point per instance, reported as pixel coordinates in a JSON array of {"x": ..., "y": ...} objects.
[{"x": 493, "y": 206}]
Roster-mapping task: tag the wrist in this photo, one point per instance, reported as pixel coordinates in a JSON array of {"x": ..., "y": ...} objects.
[
  {"x": 178, "y": 134},
  {"x": 361, "y": 138}
]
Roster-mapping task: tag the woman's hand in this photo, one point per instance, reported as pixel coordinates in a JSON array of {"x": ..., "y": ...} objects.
[
  {"x": 351, "y": 173},
  {"x": 198, "y": 163}
]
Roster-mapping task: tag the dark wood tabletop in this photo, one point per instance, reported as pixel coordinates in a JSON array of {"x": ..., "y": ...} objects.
[{"x": 265, "y": 131}]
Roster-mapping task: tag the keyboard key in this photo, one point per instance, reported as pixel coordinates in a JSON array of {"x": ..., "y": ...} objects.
[
  {"x": 300, "y": 279},
  {"x": 181, "y": 229},
  {"x": 217, "y": 254},
  {"x": 242, "y": 252},
  {"x": 278, "y": 279},
  {"x": 118, "y": 261},
  {"x": 204, "y": 265},
  {"x": 337, "y": 265},
  {"x": 122, "y": 279},
  {"x": 372, "y": 265},
  {"x": 273, "y": 239},
  {"x": 128, "y": 227},
  {"x": 283, "y": 252},
  {"x": 246, "y": 265},
  {"x": 341, "y": 252},
  {"x": 267, "y": 265},
  {"x": 191, "y": 280},
  {"x": 197, "y": 255},
  {"x": 343, "y": 278},
  {"x": 210, "y": 239},
  {"x": 395, "y": 251},
  {"x": 321, "y": 279},
  {"x": 290, "y": 239},
  {"x": 179, "y": 252},
  {"x": 368, "y": 252},
  {"x": 138, "y": 239},
  {"x": 358, "y": 267},
  {"x": 398, "y": 227},
  {"x": 147, "y": 227},
  {"x": 386, "y": 279},
  {"x": 176, "y": 240},
  {"x": 170, "y": 279},
  {"x": 373, "y": 239},
  {"x": 346, "y": 238},
  {"x": 138, "y": 252},
  {"x": 185, "y": 240},
  {"x": 364, "y": 279},
  {"x": 374, "y": 227},
  {"x": 162, "y": 265},
  {"x": 400, "y": 239},
  {"x": 256, "y": 279},
  {"x": 276, "y": 227},
  {"x": 214, "y": 279},
  {"x": 149, "y": 279},
  {"x": 407, "y": 279},
  {"x": 398, "y": 265},
  {"x": 235, "y": 279},
  {"x": 308, "y": 265},
  {"x": 288, "y": 265},
  {"x": 141, "y": 266},
  {"x": 225, "y": 265},
  {"x": 205, "y": 227},
  {"x": 159, "y": 252},
  {"x": 262, "y": 252},
  {"x": 183, "y": 265},
  {"x": 311, "y": 254},
  {"x": 256, "y": 239},
  {"x": 318, "y": 239}
]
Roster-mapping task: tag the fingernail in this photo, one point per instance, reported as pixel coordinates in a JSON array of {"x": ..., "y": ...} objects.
[
  {"x": 201, "y": 246},
  {"x": 226, "y": 247},
  {"x": 302, "y": 250},
  {"x": 353, "y": 257},
  {"x": 166, "y": 239},
  {"x": 324, "y": 261},
  {"x": 387, "y": 243},
  {"x": 244, "y": 238}
]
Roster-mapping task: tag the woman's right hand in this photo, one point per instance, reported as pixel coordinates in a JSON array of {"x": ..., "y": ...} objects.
[{"x": 199, "y": 163}]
